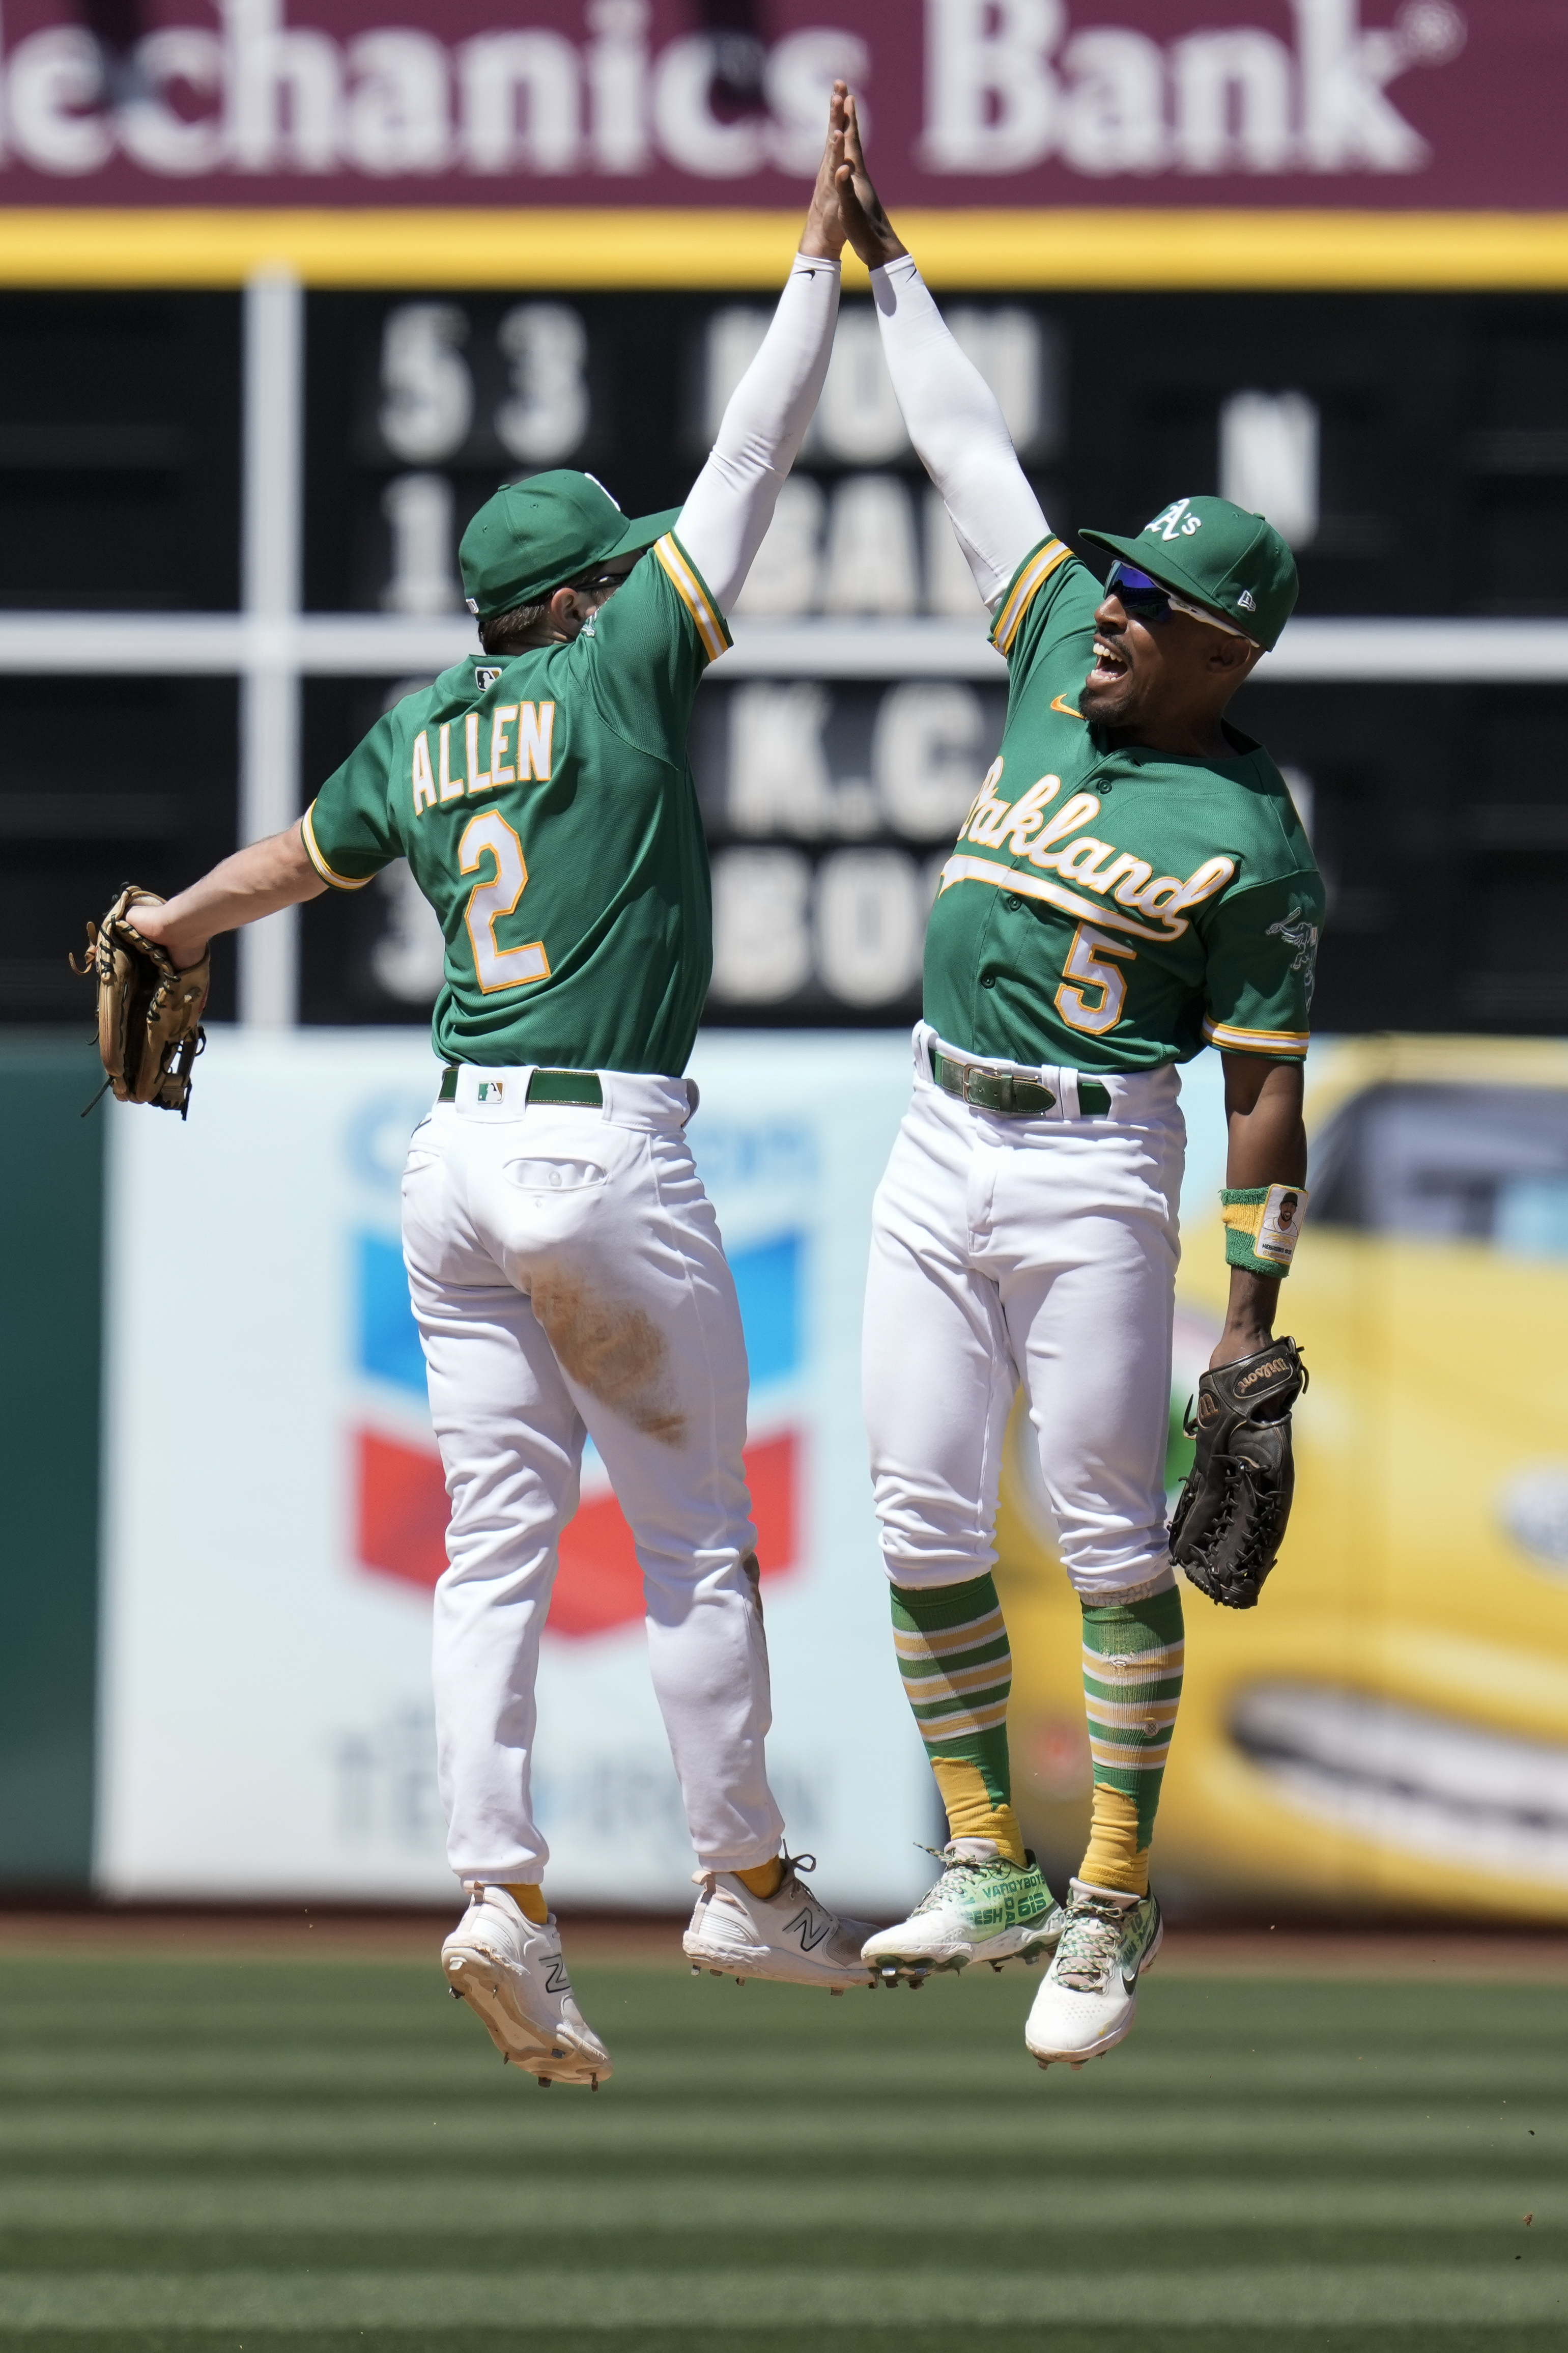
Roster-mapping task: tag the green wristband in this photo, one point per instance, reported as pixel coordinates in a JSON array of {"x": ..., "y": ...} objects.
[{"x": 1262, "y": 1223}]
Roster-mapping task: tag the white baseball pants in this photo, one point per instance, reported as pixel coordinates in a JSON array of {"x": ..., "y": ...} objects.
[
  {"x": 567, "y": 1275},
  {"x": 1039, "y": 1251}
]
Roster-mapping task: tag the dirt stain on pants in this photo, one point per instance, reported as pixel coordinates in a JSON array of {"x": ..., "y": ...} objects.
[{"x": 616, "y": 1353}]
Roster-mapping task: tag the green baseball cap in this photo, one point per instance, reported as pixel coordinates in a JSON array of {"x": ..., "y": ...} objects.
[
  {"x": 1219, "y": 555},
  {"x": 538, "y": 534}
]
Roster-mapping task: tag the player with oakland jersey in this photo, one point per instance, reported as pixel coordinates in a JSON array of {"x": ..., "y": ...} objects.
[
  {"x": 1131, "y": 881},
  {"x": 564, "y": 1260}
]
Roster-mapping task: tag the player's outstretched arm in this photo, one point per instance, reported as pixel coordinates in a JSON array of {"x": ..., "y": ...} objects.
[
  {"x": 954, "y": 421},
  {"x": 255, "y": 881},
  {"x": 732, "y": 503},
  {"x": 1267, "y": 1146}
]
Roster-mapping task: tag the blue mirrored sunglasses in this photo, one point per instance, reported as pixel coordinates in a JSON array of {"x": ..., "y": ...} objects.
[{"x": 1143, "y": 599}]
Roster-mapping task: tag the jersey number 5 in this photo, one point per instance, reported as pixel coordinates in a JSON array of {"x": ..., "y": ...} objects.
[
  {"x": 1085, "y": 962},
  {"x": 498, "y": 967}
]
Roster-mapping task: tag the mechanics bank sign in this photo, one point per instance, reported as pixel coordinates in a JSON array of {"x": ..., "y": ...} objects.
[{"x": 1407, "y": 102}]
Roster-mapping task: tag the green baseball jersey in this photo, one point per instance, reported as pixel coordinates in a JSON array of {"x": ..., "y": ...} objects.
[
  {"x": 546, "y": 806},
  {"x": 1115, "y": 910}
]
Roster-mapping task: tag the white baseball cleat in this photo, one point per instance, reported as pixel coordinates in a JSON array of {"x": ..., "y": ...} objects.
[
  {"x": 1090, "y": 1993},
  {"x": 982, "y": 1908},
  {"x": 787, "y": 1937},
  {"x": 509, "y": 1969}
]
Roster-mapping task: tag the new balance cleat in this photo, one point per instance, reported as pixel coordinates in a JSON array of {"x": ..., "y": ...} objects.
[
  {"x": 1089, "y": 1995},
  {"x": 509, "y": 1969},
  {"x": 982, "y": 1908},
  {"x": 788, "y": 1936}
]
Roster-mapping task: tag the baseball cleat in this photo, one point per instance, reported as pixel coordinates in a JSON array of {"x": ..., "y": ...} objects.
[
  {"x": 788, "y": 1936},
  {"x": 1090, "y": 1993},
  {"x": 509, "y": 1969},
  {"x": 982, "y": 1908}
]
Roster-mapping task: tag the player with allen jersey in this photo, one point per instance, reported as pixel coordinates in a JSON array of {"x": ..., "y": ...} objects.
[
  {"x": 1132, "y": 881},
  {"x": 563, "y": 1260}
]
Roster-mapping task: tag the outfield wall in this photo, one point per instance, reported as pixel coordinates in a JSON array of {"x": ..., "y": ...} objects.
[{"x": 1390, "y": 1728}]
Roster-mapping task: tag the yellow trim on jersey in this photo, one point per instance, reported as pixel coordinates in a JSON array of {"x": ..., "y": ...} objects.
[
  {"x": 716, "y": 638},
  {"x": 1037, "y": 569},
  {"x": 526, "y": 248},
  {"x": 328, "y": 873},
  {"x": 1282, "y": 1045}
]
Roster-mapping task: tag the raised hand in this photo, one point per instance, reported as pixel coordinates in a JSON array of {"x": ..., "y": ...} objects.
[
  {"x": 865, "y": 222},
  {"x": 824, "y": 228}
]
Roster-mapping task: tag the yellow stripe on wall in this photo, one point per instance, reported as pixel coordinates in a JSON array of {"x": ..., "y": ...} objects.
[{"x": 700, "y": 249}]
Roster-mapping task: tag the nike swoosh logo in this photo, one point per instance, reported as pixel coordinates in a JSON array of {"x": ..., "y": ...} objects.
[{"x": 1061, "y": 702}]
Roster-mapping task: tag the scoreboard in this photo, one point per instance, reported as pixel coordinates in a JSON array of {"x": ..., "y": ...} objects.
[{"x": 1414, "y": 448}]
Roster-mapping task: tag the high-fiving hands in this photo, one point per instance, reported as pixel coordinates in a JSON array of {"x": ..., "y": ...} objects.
[
  {"x": 845, "y": 206},
  {"x": 825, "y": 225},
  {"x": 862, "y": 220}
]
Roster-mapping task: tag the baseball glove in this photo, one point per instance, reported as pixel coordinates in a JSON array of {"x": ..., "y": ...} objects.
[
  {"x": 1230, "y": 1517},
  {"x": 149, "y": 1014}
]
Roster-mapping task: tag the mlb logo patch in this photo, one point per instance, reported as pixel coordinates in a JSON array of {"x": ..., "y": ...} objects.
[{"x": 491, "y": 1090}]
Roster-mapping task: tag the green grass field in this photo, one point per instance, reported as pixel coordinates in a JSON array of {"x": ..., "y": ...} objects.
[{"x": 207, "y": 2155}]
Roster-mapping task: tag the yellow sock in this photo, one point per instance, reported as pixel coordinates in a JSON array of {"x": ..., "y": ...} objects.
[
  {"x": 529, "y": 1897},
  {"x": 1114, "y": 1858},
  {"x": 971, "y": 1811},
  {"x": 764, "y": 1879}
]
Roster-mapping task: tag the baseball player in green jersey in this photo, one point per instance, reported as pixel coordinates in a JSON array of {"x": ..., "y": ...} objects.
[
  {"x": 564, "y": 1260},
  {"x": 1131, "y": 881}
]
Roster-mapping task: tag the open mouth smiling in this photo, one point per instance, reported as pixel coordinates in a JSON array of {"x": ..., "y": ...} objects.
[
  {"x": 1410, "y": 1778},
  {"x": 1109, "y": 665}
]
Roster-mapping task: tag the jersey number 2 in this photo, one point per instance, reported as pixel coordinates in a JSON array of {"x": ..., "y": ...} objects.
[
  {"x": 1085, "y": 961},
  {"x": 498, "y": 967}
]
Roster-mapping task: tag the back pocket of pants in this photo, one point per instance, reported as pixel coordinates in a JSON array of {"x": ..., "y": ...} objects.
[{"x": 553, "y": 1175}]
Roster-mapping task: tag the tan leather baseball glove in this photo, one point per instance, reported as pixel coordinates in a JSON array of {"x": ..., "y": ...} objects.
[{"x": 149, "y": 1014}]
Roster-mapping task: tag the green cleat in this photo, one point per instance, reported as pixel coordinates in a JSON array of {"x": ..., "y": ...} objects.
[{"x": 982, "y": 1908}]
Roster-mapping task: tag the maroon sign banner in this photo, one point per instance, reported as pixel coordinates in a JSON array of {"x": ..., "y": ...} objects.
[{"x": 1387, "y": 104}]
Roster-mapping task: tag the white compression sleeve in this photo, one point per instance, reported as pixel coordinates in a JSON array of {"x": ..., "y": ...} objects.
[
  {"x": 957, "y": 430},
  {"x": 731, "y": 505}
]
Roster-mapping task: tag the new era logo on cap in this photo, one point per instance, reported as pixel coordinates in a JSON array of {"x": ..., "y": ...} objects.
[{"x": 1248, "y": 601}]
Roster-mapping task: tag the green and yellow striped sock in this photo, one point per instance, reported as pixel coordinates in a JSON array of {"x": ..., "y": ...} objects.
[
  {"x": 952, "y": 1643},
  {"x": 1132, "y": 1656}
]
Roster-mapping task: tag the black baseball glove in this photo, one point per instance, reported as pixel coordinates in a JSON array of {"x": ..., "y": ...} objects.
[{"x": 1230, "y": 1517}]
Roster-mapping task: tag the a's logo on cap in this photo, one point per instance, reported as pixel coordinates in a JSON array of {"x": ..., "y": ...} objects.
[
  {"x": 1174, "y": 521},
  {"x": 1248, "y": 601}
]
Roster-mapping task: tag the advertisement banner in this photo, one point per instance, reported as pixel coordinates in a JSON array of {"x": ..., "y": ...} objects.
[
  {"x": 1388, "y": 1728},
  {"x": 1174, "y": 103},
  {"x": 275, "y": 1506}
]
